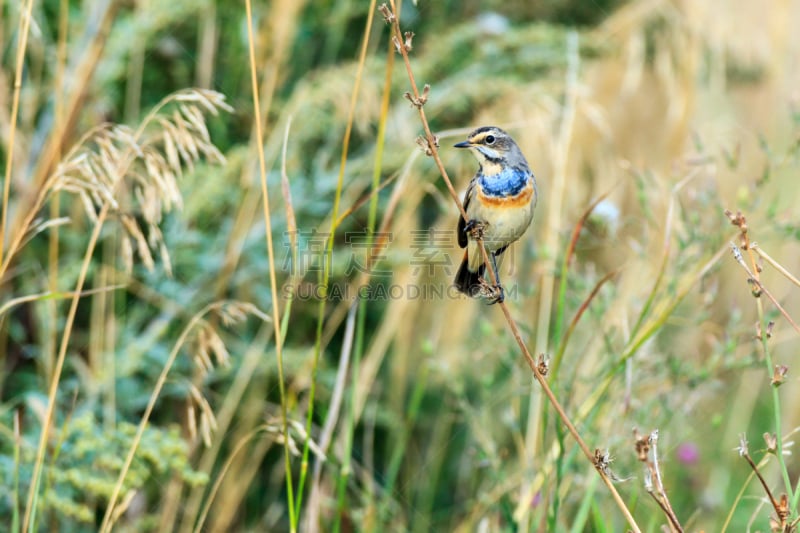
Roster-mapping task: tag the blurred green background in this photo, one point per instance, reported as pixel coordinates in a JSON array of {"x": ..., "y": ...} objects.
[{"x": 423, "y": 415}]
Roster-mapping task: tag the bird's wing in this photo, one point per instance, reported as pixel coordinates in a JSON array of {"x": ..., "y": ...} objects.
[{"x": 460, "y": 233}]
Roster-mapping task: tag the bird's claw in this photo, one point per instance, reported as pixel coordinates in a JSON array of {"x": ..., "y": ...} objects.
[
  {"x": 493, "y": 293},
  {"x": 499, "y": 295},
  {"x": 475, "y": 228}
]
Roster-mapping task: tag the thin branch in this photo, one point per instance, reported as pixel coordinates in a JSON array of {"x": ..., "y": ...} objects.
[
  {"x": 781, "y": 507},
  {"x": 403, "y": 45},
  {"x": 775, "y": 264},
  {"x": 759, "y": 288}
]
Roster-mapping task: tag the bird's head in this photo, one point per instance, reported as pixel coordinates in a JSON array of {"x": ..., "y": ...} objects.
[{"x": 492, "y": 146}]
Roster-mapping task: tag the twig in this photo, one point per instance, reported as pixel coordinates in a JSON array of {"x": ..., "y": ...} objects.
[
  {"x": 403, "y": 45},
  {"x": 781, "y": 508},
  {"x": 775, "y": 264},
  {"x": 562, "y": 289},
  {"x": 578, "y": 314},
  {"x": 646, "y": 449},
  {"x": 759, "y": 288},
  {"x": 740, "y": 222}
]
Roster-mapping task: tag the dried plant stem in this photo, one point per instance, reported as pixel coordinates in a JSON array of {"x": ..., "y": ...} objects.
[
  {"x": 758, "y": 288},
  {"x": 666, "y": 247},
  {"x": 777, "y": 266},
  {"x": 51, "y": 295},
  {"x": 22, "y": 43},
  {"x": 647, "y": 451},
  {"x": 781, "y": 507},
  {"x": 55, "y": 203},
  {"x": 28, "y": 205},
  {"x": 763, "y": 481},
  {"x": 740, "y": 494},
  {"x": 276, "y": 322},
  {"x": 578, "y": 314},
  {"x": 334, "y": 406},
  {"x": 30, "y": 508},
  {"x": 756, "y": 282},
  {"x": 345, "y": 470},
  {"x": 162, "y": 379},
  {"x": 547, "y": 282},
  {"x": 220, "y": 477},
  {"x": 80, "y": 76},
  {"x": 562, "y": 289},
  {"x": 356, "y": 321},
  {"x": 403, "y": 48}
]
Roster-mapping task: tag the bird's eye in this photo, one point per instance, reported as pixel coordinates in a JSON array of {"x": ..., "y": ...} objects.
[{"x": 489, "y": 139}]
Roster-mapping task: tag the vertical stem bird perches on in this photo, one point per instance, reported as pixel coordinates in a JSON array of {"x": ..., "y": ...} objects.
[{"x": 430, "y": 143}]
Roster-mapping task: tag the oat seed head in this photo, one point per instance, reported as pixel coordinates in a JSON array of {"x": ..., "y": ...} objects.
[{"x": 136, "y": 172}]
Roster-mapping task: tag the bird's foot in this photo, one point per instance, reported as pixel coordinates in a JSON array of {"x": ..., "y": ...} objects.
[
  {"x": 499, "y": 295},
  {"x": 474, "y": 228},
  {"x": 493, "y": 293}
]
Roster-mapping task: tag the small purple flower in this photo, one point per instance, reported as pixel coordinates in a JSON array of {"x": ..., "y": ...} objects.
[
  {"x": 537, "y": 499},
  {"x": 688, "y": 453}
]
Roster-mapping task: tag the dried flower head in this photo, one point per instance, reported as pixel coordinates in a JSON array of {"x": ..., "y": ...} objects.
[{"x": 135, "y": 174}]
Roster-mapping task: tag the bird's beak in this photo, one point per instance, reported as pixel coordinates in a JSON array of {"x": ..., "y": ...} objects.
[{"x": 464, "y": 144}]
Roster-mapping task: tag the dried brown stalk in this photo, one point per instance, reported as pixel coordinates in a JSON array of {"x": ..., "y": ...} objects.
[
  {"x": 403, "y": 44},
  {"x": 647, "y": 452}
]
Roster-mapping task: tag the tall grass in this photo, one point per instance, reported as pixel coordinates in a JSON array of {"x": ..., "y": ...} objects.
[{"x": 126, "y": 407}]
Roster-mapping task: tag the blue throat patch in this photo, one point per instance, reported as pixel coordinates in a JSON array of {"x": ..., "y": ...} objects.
[{"x": 509, "y": 182}]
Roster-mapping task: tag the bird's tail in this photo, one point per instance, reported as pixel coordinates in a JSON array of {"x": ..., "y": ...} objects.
[{"x": 466, "y": 281}]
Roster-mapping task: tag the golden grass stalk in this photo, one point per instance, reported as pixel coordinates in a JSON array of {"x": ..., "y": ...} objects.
[
  {"x": 22, "y": 42},
  {"x": 345, "y": 469},
  {"x": 223, "y": 471},
  {"x": 777, "y": 266},
  {"x": 276, "y": 322},
  {"x": 28, "y": 202},
  {"x": 547, "y": 281},
  {"x": 55, "y": 204},
  {"x": 193, "y": 505},
  {"x": 229, "y": 311},
  {"x": 326, "y": 435}
]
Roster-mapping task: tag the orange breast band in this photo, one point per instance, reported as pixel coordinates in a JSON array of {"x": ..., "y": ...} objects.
[{"x": 521, "y": 199}]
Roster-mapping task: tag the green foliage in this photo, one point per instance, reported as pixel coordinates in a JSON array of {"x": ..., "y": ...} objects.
[
  {"x": 676, "y": 111},
  {"x": 85, "y": 465}
]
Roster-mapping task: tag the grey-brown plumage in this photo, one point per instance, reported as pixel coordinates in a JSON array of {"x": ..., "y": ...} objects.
[{"x": 500, "y": 201}]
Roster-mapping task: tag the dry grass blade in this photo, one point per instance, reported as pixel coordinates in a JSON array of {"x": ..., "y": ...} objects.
[
  {"x": 576, "y": 230},
  {"x": 766, "y": 257},
  {"x": 578, "y": 314},
  {"x": 276, "y": 322},
  {"x": 13, "y": 302},
  {"x": 759, "y": 288},
  {"x": 220, "y": 477},
  {"x": 207, "y": 419},
  {"x": 291, "y": 220},
  {"x": 331, "y": 419},
  {"x": 24, "y": 27}
]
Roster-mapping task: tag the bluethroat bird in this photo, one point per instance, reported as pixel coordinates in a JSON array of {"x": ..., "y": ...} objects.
[{"x": 499, "y": 203}]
